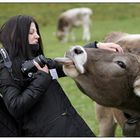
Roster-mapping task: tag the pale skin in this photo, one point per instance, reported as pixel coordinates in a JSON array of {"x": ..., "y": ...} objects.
[
  {"x": 33, "y": 39},
  {"x": 110, "y": 46}
]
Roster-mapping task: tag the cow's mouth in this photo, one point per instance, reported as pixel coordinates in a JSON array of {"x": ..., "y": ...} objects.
[
  {"x": 69, "y": 63},
  {"x": 74, "y": 58},
  {"x": 64, "y": 60}
]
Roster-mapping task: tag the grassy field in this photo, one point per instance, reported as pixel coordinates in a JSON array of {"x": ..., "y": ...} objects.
[{"x": 106, "y": 18}]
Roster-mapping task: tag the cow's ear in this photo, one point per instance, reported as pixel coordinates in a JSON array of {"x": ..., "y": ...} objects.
[{"x": 136, "y": 86}]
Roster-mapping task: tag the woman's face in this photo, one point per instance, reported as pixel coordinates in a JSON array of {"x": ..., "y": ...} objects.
[{"x": 33, "y": 36}]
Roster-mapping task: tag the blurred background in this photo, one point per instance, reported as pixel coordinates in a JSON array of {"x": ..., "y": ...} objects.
[{"x": 107, "y": 17}]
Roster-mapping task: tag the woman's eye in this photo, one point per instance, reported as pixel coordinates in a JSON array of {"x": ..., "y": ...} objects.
[
  {"x": 121, "y": 64},
  {"x": 31, "y": 32}
]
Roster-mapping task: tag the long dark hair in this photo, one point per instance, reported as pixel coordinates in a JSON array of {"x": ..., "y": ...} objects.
[{"x": 14, "y": 38}]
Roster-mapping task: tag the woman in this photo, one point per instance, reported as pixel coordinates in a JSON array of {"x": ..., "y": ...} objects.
[{"x": 37, "y": 102}]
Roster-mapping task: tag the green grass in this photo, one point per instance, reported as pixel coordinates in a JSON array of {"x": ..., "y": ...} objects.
[
  {"x": 106, "y": 18},
  {"x": 47, "y": 13}
]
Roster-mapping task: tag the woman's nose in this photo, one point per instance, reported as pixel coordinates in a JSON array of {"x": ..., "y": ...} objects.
[{"x": 36, "y": 35}]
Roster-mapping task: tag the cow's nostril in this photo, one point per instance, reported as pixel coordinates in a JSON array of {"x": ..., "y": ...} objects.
[{"x": 78, "y": 51}]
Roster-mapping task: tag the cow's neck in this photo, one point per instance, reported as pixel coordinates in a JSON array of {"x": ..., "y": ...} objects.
[{"x": 132, "y": 107}]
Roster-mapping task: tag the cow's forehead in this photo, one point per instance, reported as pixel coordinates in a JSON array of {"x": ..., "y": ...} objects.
[{"x": 107, "y": 57}]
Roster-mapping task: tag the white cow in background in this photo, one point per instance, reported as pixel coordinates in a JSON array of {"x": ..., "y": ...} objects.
[{"x": 74, "y": 18}]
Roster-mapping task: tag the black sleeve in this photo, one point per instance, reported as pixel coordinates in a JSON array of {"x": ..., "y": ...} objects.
[
  {"x": 20, "y": 101},
  {"x": 53, "y": 64},
  {"x": 91, "y": 45}
]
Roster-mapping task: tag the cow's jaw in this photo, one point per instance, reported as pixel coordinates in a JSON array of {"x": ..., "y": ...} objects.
[{"x": 78, "y": 56}]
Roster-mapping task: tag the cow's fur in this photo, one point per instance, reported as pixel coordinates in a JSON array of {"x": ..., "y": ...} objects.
[
  {"x": 108, "y": 118},
  {"x": 110, "y": 79},
  {"x": 74, "y": 18}
]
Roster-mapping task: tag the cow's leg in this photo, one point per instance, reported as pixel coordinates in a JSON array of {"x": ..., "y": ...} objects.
[
  {"x": 67, "y": 33},
  {"x": 86, "y": 33},
  {"x": 72, "y": 35},
  {"x": 106, "y": 121},
  {"x": 119, "y": 116},
  {"x": 86, "y": 29}
]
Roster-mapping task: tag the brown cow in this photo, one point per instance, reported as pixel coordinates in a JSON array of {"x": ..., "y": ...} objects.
[
  {"x": 108, "y": 118},
  {"x": 110, "y": 79},
  {"x": 76, "y": 17}
]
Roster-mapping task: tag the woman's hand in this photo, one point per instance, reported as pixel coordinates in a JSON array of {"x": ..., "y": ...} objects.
[
  {"x": 45, "y": 68},
  {"x": 110, "y": 46}
]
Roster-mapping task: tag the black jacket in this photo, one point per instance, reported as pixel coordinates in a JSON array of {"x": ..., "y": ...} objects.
[
  {"x": 41, "y": 108},
  {"x": 8, "y": 125}
]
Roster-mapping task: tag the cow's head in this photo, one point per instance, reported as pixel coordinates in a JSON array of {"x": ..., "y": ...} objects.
[
  {"x": 63, "y": 29},
  {"x": 78, "y": 57},
  {"x": 108, "y": 78},
  {"x": 60, "y": 35}
]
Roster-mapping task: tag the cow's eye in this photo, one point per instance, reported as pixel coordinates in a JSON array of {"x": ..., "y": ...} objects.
[{"x": 121, "y": 64}]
